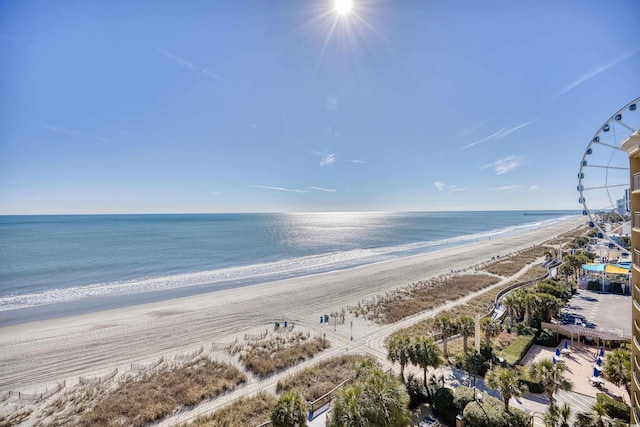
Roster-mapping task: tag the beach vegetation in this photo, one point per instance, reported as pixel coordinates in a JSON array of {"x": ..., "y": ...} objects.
[
  {"x": 614, "y": 408},
  {"x": 446, "y": 328},
  {"x": 490, "y": 328},
  {"x": 416, "y": 391},
  {"x": 244, "y": 411},
  {"x": 617, "y": 368},
  {"x": 443, "y": 403},
  {"x": 558, "y": 416},
  {"x": 506, "y": 382},
  {"x": 374, "y": 398},
  {"x": 290, "y": 410},
  {"x": 510, "y": 265},
  {"x": 139, "y": 400},
  {"x": 552, "y": 377},
  {"x": 425, "y": 353},
  {"x": 482, "y": 410},
  {"x": 15, "y": 418},
  {"x": 278, "y": 351},
  {"x": 594, "y": 418},
  {"x": 421, "y": 296},
  {"x": 466, "y": 328},
  {"x": 399, "y": 350},
  {"x": 318, "y": 380},
  {"x": 514, "y": 352}
]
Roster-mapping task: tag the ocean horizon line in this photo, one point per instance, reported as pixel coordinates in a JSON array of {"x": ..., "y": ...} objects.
[{"x": 577, "y": 212}]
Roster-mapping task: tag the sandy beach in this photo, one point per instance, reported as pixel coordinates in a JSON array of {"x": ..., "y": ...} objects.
[{"x": 45, "y": 352}]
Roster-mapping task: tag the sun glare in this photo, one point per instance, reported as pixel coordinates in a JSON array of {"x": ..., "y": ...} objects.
[{"x": 342, "y": 7}]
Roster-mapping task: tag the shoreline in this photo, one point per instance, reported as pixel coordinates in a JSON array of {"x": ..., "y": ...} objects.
[
  {"x": 43, "y": 352},
  {"x": 91, "y": 298}
]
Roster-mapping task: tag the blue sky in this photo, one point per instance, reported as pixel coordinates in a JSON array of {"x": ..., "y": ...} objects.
[{"x": 270, "y": 105}]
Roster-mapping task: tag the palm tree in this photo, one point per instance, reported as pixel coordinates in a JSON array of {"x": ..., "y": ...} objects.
[
  {"x": 566, "y": 270},
  {"x": 386, "y": 398},
  {"x": 510, "y": 301},
  {"x": 446, "y": 327},
  {"x": 617, "y": 368},
  {"x": 466, "y": 327},
  {"x": 491, "y": 329},
  {"x": 375, "y": 398},
  {"x": 399, "y": 350},
  {"x": 531, "y": 303},
  {"x": 593, "y": 418},
  {"x": 348, "y": 409},
  {"x": 565, "y": 414},
  {"x": 425, "y": 353},
  {"x": 506, "y": 382},
  {"x": 290, "y": 410},
  {"x": 551, "y": 376}
]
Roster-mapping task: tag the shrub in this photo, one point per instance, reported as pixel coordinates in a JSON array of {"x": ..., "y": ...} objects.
[
  {"x": 534, "y": 386},
  {"x": 443, "y": 403},
  {"x": 516, "y": 351},
  {"x": 547, "y": 338},
  {"x": 415, "y": 390},
  {"x": 615, "y": 288},
  {"x": 461, "y": 397},
  {"x": 594, "y": 285},
  {"x": 490, "y": 413},
  {"x": 614, "y": 408}
]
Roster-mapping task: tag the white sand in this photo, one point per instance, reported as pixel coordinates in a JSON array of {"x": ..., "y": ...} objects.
[{"x": 39, "y": 353}]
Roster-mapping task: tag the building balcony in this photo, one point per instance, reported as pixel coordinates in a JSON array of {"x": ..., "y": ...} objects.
[
  {"x": 636, "y": 258},
  {"x": 636, "y": 182},
  {"x": 636, "y": 220}
]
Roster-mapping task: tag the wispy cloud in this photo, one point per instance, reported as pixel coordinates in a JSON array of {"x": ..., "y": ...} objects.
[
  {"x": 443, "y": 187},
  {"x": 290, "y": 190},
  {"x": 505, "y": 165},
  {"x": 326, "y": 190},
  {"x": 502, "y": 133},
  {"x": 506, "y": 188},
  {"x": 357, "y": 161},
  {"x": 191, "y": 66},
  {"x": 592, "y": 73},
  {"x": 74, "y": 132},
  {"x": 329, "y": 159},
  {"x": 534, "y": 187}
]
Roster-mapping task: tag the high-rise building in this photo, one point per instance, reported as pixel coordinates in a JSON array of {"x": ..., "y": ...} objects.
[{"x": 632, "y": 146}]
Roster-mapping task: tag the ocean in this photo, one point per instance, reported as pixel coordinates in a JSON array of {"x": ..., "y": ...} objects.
[{"x": 99, "y": 259}]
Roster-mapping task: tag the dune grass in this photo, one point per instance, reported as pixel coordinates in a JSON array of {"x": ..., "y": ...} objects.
[
  {"x": 278, "y": 352},
  {"x": 137, "y": 401},
  {"x": 14, "y": 418},
  {"x": 317, "y": 380},
  {"x": 480, "y": 304},
  {"x": 508, "y": 266},
  {"x": 395, "y": 306},
  {"x": 245, "y": 411}
]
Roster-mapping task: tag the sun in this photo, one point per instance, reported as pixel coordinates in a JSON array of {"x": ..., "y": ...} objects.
[{"x": 342, "y": 7}]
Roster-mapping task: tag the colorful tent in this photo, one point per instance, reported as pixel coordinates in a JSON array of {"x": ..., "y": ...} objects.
[{"x": 606, "y": 268}]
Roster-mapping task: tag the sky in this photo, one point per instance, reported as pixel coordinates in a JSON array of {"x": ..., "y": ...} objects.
[{"x": 288, "y": 106}]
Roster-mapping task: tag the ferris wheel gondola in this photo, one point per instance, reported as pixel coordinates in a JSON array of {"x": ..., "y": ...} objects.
[{"x": 603, "y": 178}]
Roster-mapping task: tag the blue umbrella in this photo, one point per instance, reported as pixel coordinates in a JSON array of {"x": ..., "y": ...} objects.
[
  {"x": 557, "y": 352},
  {"x": 596, "y": 373},
  {"x": 566, "y": 343},
  {"x": 599, "y": 362},
  {"x": 601, "y": 354}
]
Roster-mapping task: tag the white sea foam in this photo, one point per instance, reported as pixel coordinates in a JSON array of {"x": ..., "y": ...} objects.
[{"x": 242, "y": 275}]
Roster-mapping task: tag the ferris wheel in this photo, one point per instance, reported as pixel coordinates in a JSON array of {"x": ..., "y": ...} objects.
[{"x": 604, "y": 178}]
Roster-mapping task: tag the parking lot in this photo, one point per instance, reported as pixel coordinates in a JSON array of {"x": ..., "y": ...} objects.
[{"x": 602, "y": 312}]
